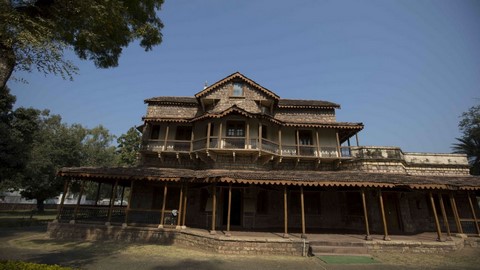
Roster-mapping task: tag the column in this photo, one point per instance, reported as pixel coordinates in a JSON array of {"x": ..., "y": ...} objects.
[
  {"x": 97, "y": 197},
  {"x": 129, "y": 203},
  {"x": 473, "y": 213},
  {"x": 382, "y": 210},
  {"x": 365, "y": 214},
  {"x": 455, "y": 213},
  {"x": 166, "y": 137},
  {"x": 180, "y": 212},
  {"x": 437, "y": 223},
  {"x": 64, "y": 194},
  {"x": 185, "y": 206},
  {"x": 303, "y": 212},
  {"x": 338, "y": 145},
  {"x": 214, "y": 207},
  {"x": 280, "y": 140},
  {"x": 112, "y": 202},
  {"x": 209, "y": 128},
  {"x": 259, "y": 135},
  {"x": 285, "y": 211},
  {"x": 444, "y": 215},
  {"x": 356, "y": 138},
  {"x": 162, "y": 217},
  {"x": 78, "y": 202},
  {"x": 229, "y": 208},
  {"x": 220, "y": 144}
]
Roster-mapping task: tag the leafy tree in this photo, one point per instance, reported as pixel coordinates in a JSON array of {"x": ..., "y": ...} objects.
[
  {"x": 35, "y": 33},
  {"x": 469, "y": 143},
  {"x": 16, "y": 135},
  {"x": 97, "y": 147},
  {"x": 128, "y": 147}
]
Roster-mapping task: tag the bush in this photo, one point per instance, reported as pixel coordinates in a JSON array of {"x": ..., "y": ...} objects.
[{"x": 17, "y": 265}]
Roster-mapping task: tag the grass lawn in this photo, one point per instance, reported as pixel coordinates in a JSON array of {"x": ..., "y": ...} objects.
[{"x": 21, "y": 218}]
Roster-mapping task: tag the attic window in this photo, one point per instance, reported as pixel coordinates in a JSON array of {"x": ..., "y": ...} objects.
[{"x": 237, "y": 89}]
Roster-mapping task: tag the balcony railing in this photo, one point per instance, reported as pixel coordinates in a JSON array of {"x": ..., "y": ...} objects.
[{"x": 241, "y": 143}]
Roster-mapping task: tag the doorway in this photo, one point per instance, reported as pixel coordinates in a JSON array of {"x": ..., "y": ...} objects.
[{"x": 236, "y": 207}]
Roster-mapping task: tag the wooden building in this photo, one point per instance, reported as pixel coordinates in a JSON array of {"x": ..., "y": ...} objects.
[{"x": 237, "y": 157}]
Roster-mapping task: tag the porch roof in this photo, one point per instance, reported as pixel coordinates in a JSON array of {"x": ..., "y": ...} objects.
[{"x": 295, "y": 178}]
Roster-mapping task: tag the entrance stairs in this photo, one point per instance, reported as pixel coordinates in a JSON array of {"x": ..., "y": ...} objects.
[{"x": 332, "y": 247}]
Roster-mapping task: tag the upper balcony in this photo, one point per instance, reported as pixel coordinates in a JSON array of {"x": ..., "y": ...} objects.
[{"x": 247, "y": 146}]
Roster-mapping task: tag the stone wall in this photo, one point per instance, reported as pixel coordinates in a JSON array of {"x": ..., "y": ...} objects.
[
  {"x": 171, "y": 111},
  {"x": 305, "y": 116}
]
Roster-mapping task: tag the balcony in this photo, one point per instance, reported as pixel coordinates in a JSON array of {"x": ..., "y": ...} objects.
[{"x": 242, "y": 144}]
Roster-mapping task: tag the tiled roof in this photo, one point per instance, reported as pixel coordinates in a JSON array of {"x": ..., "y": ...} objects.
[
  {"x": 304, "y": 178},
  {"x": 172, "y": 100},
  {"x": 301, "y": 103}
]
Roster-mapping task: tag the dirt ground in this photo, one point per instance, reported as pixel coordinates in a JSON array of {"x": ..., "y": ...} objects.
[{"x": 31, "y": 244}]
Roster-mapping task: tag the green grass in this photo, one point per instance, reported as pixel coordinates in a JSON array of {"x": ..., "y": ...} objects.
[
  {"x": 347, "y": 259},
  {"x": 14, "y": 265},
  {"x": 23, "y": 218}
]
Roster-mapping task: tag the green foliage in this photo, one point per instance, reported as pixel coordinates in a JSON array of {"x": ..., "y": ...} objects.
[
  {"x": 469, "y": 143},
  {"x": 128, "y": 147},
  {"x": 18, "y": 265},
  {"x": 35, "y": 33}
]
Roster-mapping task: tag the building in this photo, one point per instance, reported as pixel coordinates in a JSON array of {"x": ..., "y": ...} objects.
[{"x": 237, "y": 157}]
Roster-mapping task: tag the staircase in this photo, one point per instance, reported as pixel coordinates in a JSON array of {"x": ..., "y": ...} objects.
[{"x": 319, "y": 247}]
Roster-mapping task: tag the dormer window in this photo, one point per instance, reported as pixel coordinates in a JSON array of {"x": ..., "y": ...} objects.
[{"x": 237, "y": 89}]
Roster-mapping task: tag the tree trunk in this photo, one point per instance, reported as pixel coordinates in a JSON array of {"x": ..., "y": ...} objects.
[
  {"x": 40, "y": 206},
  {"x": 7, "y": 64}
]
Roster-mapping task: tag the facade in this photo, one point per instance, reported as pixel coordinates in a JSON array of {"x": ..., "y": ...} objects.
[{"x": 237, "y": 157}]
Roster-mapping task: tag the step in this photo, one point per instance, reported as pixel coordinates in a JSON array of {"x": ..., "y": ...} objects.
[{"x": 315, "y": 250}]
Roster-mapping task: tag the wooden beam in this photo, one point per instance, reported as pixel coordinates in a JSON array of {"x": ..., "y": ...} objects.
[
  {"x": 185, "y": 196},
  {"x": 229, "y": 208},
  {"x": 384, "y": 220},
  {"x": 437, "y": 223},
  {"x": 260, "y": 134},
  {"x": 123, "y": 194},
  {"x": 209, "y": 127},
  {"x": 220, "y": 144},
  {"x": 298, "y": 142},
  {"x": 338, "y": 144},
  {"x": 64, "y": 194},
  {"x": 166, "y": 137},
  {"x": 285, "y": 211},
  {"x": 473, "y": 213},
  {"x": 98, "y": 193},
  {"x": 453, "y": 204},
  {"x": 129, "y": 203},
  {"x": 365, "y": 215},
  {"x": 280, "y": 141},
  {"x": 303, "y": 212},
  {"x": 192, "y": 138},
  {"x": 162, "y": 217},
  {"x": 319, "y": 152},
  {"x": 444, "y": 216},
  {"x": 180, "y": 212},
  {"x": 247, "y": 137},
  {"x": 112, "y": 202},
  {"x": 356, "y": 138},
  {"x": 78, "y": 201},
  {"x": 214, "y": 207}
]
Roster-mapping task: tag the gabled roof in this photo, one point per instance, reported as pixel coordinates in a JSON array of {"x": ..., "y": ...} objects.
[
  {"x": 232, "y": 109},
  {"x": 172, "y": 100},
  {"x": 237, "y": 75},
  {"x": 306, "y": 104}
]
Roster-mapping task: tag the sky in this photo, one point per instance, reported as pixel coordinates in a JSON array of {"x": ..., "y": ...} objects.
[{"x": 405, "y": 69}]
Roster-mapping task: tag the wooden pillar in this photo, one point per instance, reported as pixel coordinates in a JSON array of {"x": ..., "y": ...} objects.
[
  {"x": 285, "y": 211},
  {"x": 473, "y": 213},
  {"x": 437, "y": 223},
  {"x": 229, "y": 208},
  {"x": 444, "y": 215},
  {"x": 180, "y": 212},
  {"x": 162, "y": 217},
  {"x": 112, "y": 202},
  {"x": 220, "y": 144},
  {"x": 356, "y": 138},
  {"x": 214, "y": 207},
  {"x": 384, "y": 220},
  {"x": 64, "y": 194},
  {"x": 247, "y": 137},
  {"x": 123, "y": 194},
  {"x": 298, "y": 142},
  {"x": 338, "y": 144},
  {"x": 129, "y": 203},
  {"x": 185, "y": 196},
  {"x": 455, "y": 213},
  {"x": 97, "y": 197},
  {"x": 78, "y": 200},
  {"x": 318, "y": 143},
  {"x": 166, "y": 137},
  {"x": 260, "y": 135},
  {"x": 192, "y": 138},
  {"x": 280, "y": 140},
  {"x": 365, "y": 214},
  {"x": 209, "y": 128},
  {"x": 303, "y": 212}
]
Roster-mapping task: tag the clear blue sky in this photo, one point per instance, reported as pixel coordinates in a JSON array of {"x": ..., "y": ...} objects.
[{"x": 406, "y": 69}]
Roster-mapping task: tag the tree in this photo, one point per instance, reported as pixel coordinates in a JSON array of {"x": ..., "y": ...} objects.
[
  {"x": 97, "y": 147},
  {"x": 16, "y": 135},
  {"x": 469, "y": 143},
  {"x": 35, "y": 33},
  {"x": 128, "y": 147}
]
